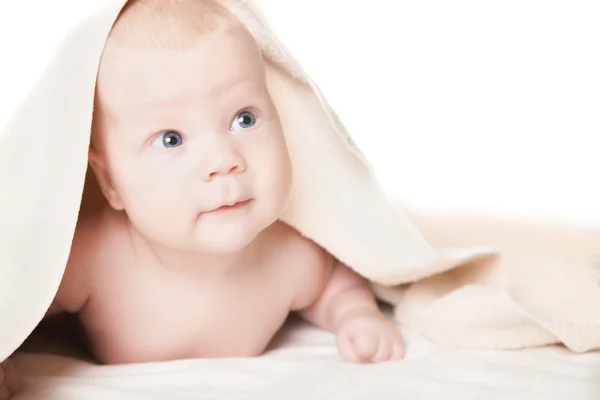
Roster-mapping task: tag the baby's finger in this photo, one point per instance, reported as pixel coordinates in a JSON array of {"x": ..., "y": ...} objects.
[
  {"x": 11, "y": 381},
  {"x": 4, "y": 393},
  {"x": 384, "y": 350},
  {"x": 12, "y": 378},
  {"x": 365, "y": 345},
  {"x": 346, "y": 351}
]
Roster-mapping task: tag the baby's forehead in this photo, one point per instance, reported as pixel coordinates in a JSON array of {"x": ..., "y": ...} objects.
[
  {"x": 162, "y": 79},
  {"x": 168, "y": 25},
  {"x": 215, "y": 64}
]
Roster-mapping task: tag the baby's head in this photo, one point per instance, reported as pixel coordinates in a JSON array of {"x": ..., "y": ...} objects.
[{"x": 184, "y": 124}]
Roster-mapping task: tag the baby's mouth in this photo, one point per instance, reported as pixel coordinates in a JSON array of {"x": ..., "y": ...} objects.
[{"x": 229, "y": 207}]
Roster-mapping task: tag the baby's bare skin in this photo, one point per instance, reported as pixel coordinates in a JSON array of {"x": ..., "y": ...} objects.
[
  {"x": 10, "y": 383},
  {"x": 136, "y": 310}
]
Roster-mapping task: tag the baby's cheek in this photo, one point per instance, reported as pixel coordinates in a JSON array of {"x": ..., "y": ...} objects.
[
  {"x": 151, "y": 197},
  {"x": 159, "y": 219},
  {"x": 274, "y": 165},
  {"x": 144, "y": 181}
]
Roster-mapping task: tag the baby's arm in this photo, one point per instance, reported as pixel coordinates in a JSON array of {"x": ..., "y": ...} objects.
[
  {"x": 74, "y": 288},
  {"x": 347, "y": 307},
  {"x": 71, "y": 296}
]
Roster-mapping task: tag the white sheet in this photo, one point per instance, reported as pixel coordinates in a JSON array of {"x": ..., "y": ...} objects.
[{"x": 304, "y": 364}]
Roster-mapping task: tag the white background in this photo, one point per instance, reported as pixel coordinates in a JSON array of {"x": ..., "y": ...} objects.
[{"x": 490, "y": 105}]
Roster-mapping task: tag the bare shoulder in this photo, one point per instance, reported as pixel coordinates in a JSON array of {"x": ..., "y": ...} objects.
[
  {"x": 88, "y": 242},
  {"x": 307, "y": 266}
]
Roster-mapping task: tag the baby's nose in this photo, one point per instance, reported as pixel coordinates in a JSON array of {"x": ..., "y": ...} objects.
[{"x": 226, "y": 162}]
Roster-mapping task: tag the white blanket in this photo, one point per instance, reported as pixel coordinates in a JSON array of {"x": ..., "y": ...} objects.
[{"x": 304, "y": 364}]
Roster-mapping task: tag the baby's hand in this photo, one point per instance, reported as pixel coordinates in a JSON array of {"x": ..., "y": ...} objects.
[
  {"x": 9, "y": 381},
  {"x": 369, "y": 336}
]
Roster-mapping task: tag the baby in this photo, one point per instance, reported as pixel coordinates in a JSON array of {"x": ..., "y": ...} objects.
[{"x": 188, "y": 258}]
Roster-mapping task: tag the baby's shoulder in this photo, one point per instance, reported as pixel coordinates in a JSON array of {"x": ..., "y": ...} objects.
[
  {"x": 294, "y": 246},
  {"x": 93, "y": 233},
  {"x": 90, "y": 242},
  {"x": 305, "y": 264}
]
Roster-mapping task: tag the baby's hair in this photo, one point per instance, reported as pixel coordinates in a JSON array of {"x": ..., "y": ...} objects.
[{"x": 168, "y": 24}]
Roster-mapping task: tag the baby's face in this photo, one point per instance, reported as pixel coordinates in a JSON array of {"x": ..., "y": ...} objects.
[{"x": 193, "y": 143}]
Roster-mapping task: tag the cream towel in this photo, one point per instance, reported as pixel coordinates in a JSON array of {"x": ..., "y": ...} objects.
[{"x": 458, "y": 279}]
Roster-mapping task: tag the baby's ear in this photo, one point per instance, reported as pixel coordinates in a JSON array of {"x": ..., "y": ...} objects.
[{"x": 100, "y": 168}]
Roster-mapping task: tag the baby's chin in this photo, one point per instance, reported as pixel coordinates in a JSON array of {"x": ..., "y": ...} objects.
[
  {"x": 229, "y": 235},
  {"x": 224, "y": 245},
  {"x": 227, "y": 239}
]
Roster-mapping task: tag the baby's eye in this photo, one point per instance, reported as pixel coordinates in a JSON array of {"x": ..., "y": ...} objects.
[
  {"x": 168, "y": 139},
  {"x": 243, "y": 120}
]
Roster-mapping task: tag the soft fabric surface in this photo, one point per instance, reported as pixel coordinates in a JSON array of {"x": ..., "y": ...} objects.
[
  {"x": 304, "y": 364},
  {"x": 476, "y": 281}
]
